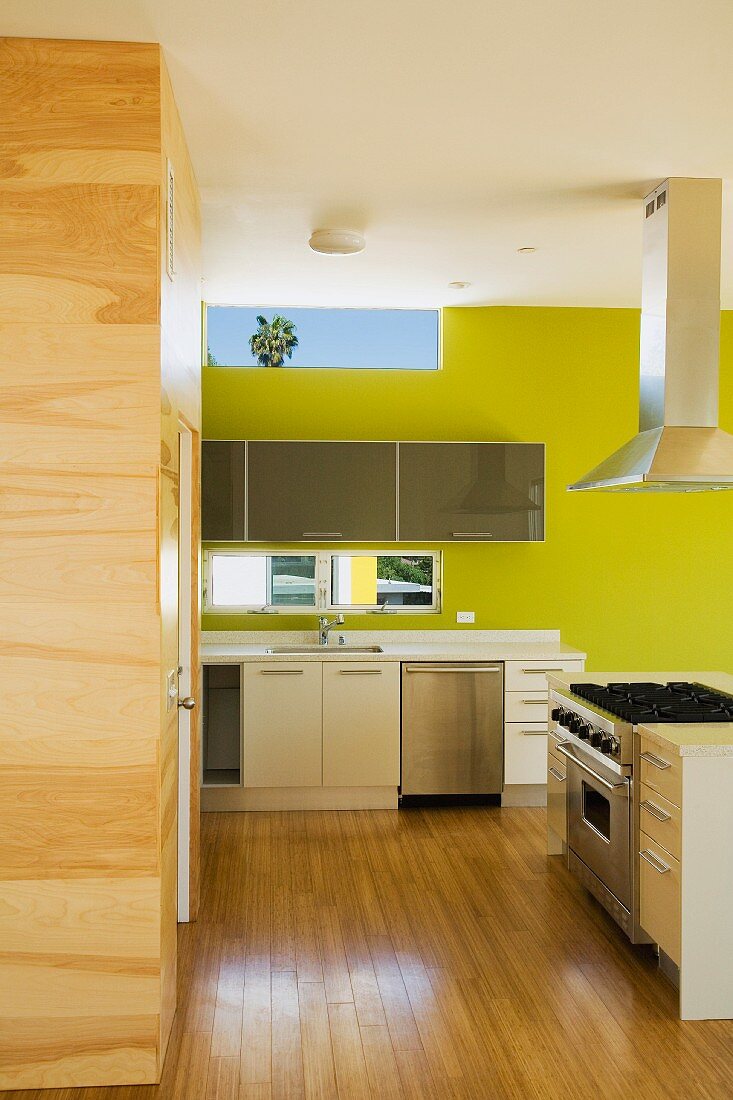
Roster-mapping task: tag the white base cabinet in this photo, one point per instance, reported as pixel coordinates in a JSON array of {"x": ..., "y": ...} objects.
[
  {"x": 282, "y": 725},
  {"x": 361, "y": 724},
  {"x": 526, "y": 727}
]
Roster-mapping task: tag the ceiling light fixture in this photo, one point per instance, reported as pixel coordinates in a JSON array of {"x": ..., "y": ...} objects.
[
  {"x": 526, "y": 250},
  {"x": 458, "y": 285},
  {"x": 337, "y": 242}
]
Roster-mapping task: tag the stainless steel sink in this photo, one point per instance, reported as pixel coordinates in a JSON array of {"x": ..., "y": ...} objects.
[{"x": 330, "y": 649}]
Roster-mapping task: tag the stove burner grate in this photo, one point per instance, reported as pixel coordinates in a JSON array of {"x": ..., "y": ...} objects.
[{"x": 677, "y": 701}]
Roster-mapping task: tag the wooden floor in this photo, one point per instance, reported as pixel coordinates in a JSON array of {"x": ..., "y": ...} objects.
[{"x": 415, "y": 955}]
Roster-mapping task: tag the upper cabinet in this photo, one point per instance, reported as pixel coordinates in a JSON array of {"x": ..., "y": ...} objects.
[
  {"x": 223, "y": 495},
  {"x": 458, "y": 492},
  {"x": 302, "y": 491},
  {"x": 321, "y": 491}
]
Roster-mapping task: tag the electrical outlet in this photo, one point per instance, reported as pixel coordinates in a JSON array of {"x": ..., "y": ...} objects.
[{"x": 465, "y": 616}]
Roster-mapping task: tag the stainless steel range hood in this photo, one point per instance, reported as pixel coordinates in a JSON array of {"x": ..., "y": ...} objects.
[{"x": 679, "y": 446}]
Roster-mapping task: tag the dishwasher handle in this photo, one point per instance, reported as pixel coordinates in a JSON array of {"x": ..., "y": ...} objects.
[{"x": 452, "y": 668}]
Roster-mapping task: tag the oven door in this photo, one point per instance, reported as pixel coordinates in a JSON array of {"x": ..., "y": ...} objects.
[{"x": 599, "y": 822}]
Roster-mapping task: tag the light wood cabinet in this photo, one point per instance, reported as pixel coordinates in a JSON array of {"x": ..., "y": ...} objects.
[
  {"x": 282, "y": 725},
  {"x": 361, "y": 724},
  {"x": 525, "y": 752},
  {"x": 557, "y": 812},
  {"x": 661, "y": 820},
  {"x": 311, "y": 491},
  {"x": 453, "y": 492},
  {"x": 660, "y": 896}
]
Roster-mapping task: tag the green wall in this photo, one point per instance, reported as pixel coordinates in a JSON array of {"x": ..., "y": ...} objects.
[{"x": 639, "y": 581}]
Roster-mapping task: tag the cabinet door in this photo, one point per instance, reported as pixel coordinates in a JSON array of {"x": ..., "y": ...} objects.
[
  {"x": 660, "y": 913},
  {"x": 282, "y": 725},
  {"x": 453, "y": 492},
  {"x": 557, "y": 812},
  {"x": 361, "y": 724},
  {"x": 321, "y": 491},
  {"x": 222, "y": 490}
]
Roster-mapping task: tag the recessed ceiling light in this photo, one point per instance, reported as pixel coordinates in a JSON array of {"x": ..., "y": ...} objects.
[
  {"x": 458, "y": 285},
  {"x": 337, "y": 242},
  {"x": 526, "y": 250}
]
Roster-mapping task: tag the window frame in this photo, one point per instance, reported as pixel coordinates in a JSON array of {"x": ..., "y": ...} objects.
[
  {"x": 361, "y": 309},
  {"x": 323, "y": 595}
]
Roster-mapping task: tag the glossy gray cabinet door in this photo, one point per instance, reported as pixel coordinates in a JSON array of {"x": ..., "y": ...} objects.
[
  {"x": 464, "y": 492},
  {"x": 223, "y": 497},
  {"x": 321, "y": 492}
]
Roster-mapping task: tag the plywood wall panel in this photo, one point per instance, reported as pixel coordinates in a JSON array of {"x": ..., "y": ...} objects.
[{"x": 89, "y": 408}]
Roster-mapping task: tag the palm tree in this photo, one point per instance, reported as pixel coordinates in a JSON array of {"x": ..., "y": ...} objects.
[{"x": 273, "y": 340}]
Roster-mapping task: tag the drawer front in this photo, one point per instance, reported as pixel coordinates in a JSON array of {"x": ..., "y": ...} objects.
[
  {"x": 660, "y": 819},
  {"x": 557, "y": 814},
  {"x": 660, "y": 896},
  {"x": 530, "y": 675},
  {"x": 526, "y": 707},
  {"x": 661, "y": 770},
  {"x": 552, "y": 742},
  {"x": 525, "y": 752}
]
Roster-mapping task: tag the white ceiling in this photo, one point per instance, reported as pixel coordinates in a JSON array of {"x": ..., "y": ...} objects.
[{"x": 451, "y": 134}]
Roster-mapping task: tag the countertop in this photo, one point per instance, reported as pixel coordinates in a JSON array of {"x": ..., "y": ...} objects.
[
  {"x": 682, "y": 739},
  {"x": 419, "y": 645}
]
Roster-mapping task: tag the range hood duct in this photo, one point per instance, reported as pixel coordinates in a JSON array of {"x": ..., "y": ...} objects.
[{"x": 679, "y": 446}]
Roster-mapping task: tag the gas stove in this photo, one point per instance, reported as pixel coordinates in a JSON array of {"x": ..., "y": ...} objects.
[{"x": 592, "y": 733}]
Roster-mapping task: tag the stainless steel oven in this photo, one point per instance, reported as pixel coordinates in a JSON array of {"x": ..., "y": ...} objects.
[{"x": 600, "y": 825}]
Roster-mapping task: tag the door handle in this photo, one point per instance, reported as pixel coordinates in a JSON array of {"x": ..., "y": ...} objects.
[
  {"x": 556, "y": 775},
  {"x": 584, "y": 767},
  {"x": 444, "y": 668},
  {"x": 188, "y": 703},
  {"x": 538, "y": 701},
  {"x": 533, "y": 733},
  {"x": 281, "y": 672},
  {"x": 361, "y": 672},
  {"x": 530, "y": 670}
]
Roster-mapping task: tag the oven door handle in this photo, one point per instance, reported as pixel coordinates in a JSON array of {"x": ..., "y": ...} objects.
[{"x": 585, "y": 768}]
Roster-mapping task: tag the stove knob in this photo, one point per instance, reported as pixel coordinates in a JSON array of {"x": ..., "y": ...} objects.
[
  {"x": 607, "y": 745},
  {"x": 555, "y": 714},
  {"x": 585, "y": 731},
  {"x": 595, "y": 739},
  {"x": 574, "y": 724},
  {"x": 564, "y": 718}
]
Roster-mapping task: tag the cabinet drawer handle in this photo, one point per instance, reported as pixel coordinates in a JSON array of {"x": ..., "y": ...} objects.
[
  {"x": 361, "y": 672},
  {"x": 281, "y": 671},
  {"x": 529, "y": 670},
  {"x": 538, "y": 701},
  {"x": 656, "y": 761},
  {"x": 655, "y": 811},
  {"x": 655, "y": 862},
  {"x": 472, "y": 534},
  {"x": 533, "y": 733},
  {"x": 322, "y": 535},
  {"x": 556, "y": 775}
]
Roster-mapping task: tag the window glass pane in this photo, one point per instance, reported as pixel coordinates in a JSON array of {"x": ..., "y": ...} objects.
[
  {"x": 396, "y": 580},
  {"x": 358, "y": 339},
  {"x": 259, "y": 580},
  {"x": 238, "y": 580},
  {"x": 293, "y": 580}
]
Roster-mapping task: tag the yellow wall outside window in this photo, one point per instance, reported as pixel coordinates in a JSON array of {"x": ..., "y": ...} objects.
[{"x": 363, "y": 580}]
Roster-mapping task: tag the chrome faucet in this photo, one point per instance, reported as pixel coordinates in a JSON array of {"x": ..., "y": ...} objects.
[{"x": 324, "y": 626}]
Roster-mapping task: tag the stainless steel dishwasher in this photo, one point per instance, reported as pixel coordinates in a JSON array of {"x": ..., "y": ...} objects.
[{"x": 452, "y": 729}]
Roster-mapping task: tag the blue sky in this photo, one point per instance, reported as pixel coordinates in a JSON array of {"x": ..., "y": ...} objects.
[{"x": 358, "y": 338}]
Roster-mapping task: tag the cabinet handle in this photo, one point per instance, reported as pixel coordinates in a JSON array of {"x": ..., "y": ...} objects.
[
  {"x": 321, "y": 535},
  {"x": 472, "y": 534},
  {"x": 656, "y": 761},
  {"x": 281, "y": 671},
  {"x": 533, "y": 733},
  {"x": 655, "y": 862},
  {"x": 538, "y": 701},
  {"x": 543, "y": 670},
  {"x": 361, "y": 671},
  {"x": 655, "y": 811},
  {"x": 556, "y": 775}
]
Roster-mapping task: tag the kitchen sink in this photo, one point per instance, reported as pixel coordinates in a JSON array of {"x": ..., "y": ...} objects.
[{"x": 330, "y": 649}]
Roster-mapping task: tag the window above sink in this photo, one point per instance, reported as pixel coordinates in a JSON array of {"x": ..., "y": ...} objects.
[{"x": 288, "y": 582}]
